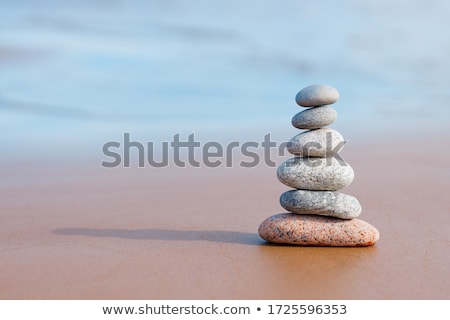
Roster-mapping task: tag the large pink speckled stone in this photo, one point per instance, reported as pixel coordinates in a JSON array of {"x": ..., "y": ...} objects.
[{"x": 312, "y": 230}]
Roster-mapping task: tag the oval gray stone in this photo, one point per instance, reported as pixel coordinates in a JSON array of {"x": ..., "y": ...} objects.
[
  {"x": 316, "y": 143},
  {"x": 323, "y": 174},
  {"x": 326, "y": 203},
  {"x": 314, "y": 118},
  {"x": 317, "y": 95},
  {"x": 310, "y": 230}
]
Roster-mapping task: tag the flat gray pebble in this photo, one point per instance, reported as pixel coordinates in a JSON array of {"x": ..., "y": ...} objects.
[
  {"x": 314, "y": 118},
  {"x": 317, "y": 95},
  {"x": 307, "y": 173},
  {"x": 316, "y": 143},
  {"x": 326, "y": 203}
]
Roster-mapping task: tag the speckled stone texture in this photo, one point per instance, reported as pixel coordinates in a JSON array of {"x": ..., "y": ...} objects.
[
  {"x": 327, "y": 203},
  {"x": 314, "y": 118},
  {"x": 310, "y": 230},
  {"x": 326, "y": 174},
  {"x": 315, "y": 143},
  {"x": 317, "y": 95}
]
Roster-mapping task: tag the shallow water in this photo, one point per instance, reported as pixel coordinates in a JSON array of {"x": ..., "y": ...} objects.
[{"x": 77, "y": 73}]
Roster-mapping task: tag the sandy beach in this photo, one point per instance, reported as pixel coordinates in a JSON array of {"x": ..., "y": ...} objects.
[
  {"x": 78, "y": 74},
  {"x": 79, "y": 231}
]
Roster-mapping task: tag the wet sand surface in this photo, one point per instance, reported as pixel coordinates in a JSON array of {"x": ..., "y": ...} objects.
[{"x": 79, "y": 231}]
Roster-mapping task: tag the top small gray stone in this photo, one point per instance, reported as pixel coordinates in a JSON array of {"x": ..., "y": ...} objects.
[{"x": 317, "y": 95}]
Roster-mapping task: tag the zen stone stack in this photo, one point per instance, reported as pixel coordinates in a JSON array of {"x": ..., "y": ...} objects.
[{"x": 318, "y": 215}]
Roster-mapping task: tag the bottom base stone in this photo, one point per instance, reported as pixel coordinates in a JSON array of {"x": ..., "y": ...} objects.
[{"x": 313, "y": 230}]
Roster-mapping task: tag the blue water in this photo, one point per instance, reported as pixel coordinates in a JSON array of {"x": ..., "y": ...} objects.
[{"x": 77, "y": 73}]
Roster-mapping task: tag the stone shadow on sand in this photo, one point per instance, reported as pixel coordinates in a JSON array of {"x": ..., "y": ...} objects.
[{"x": 235, "y": 237}]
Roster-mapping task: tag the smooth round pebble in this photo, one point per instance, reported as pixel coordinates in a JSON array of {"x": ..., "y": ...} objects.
[
  {"x": 326, "y": 203},
  {"x": 316, "y": 143},
  {"x": 326, "y": 174},
  {"x": 311, "y": 230},
  {"x": 314, "y": 118},
  {"x": 317, "y": 95}
]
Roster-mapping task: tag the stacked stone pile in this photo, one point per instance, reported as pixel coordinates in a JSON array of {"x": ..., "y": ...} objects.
[{"x": 318, "y": 215}]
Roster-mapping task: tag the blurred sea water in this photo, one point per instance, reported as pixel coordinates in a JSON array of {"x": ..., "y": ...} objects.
[{"x": 74, "y": 74}]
